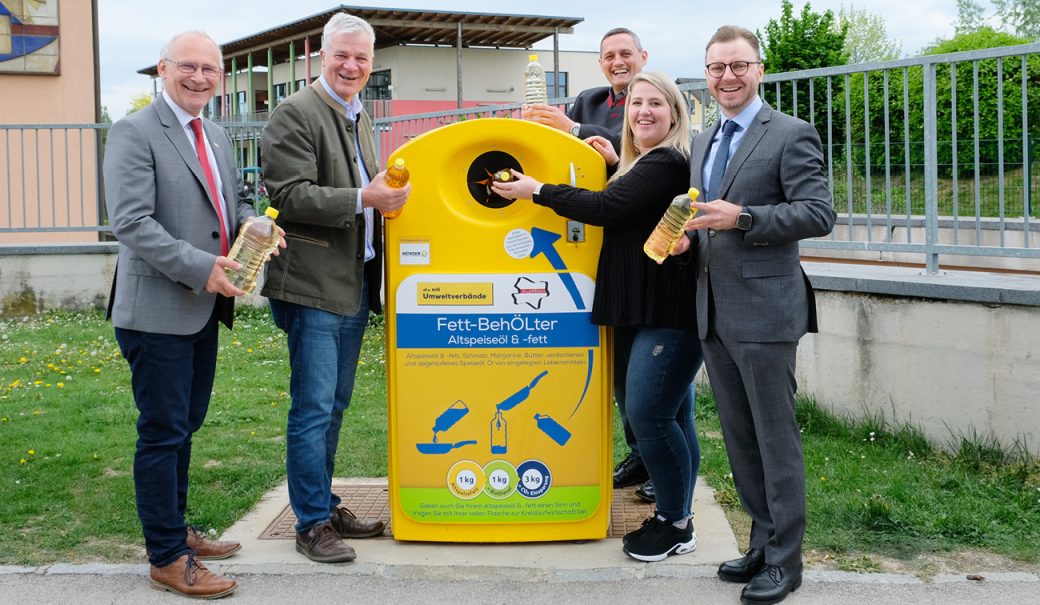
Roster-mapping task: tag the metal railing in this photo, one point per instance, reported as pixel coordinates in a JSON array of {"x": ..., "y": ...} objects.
[{"x": 926, "y": 156}]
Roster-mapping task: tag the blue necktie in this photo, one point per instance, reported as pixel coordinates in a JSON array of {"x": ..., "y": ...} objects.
[{"x": 718, "y": 169}]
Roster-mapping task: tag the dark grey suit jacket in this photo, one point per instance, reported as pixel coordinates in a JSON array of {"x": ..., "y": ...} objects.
[
  {"x": 759, "y": 291},
  {"x": 593, "y": 111},
  {"x": 160, "y": 210}
]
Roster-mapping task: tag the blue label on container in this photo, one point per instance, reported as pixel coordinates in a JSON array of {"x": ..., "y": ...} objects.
[{"x": 435, "y": 331}]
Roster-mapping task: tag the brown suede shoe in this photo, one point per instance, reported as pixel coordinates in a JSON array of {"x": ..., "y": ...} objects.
[
  {"x": 347, "y": 525},
  {"x": 320, "y": 543},
  {"x": 188, "y": 577},
  {"x": 208, "y": 550}
]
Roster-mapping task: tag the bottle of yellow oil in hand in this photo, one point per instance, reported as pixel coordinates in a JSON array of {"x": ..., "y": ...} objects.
[
  {"x": 257, "y": 238},
  {"x": 396, "y": 177},
  {"x": 670, "y": 228}
]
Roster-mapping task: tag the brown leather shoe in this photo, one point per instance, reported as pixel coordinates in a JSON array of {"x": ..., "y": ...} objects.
[
  {"x": 320, "y": 543},
  {"x": 188, "y": 577},
  {"x": 347, "y": 525},
  {"x": 207, "y": 549}
]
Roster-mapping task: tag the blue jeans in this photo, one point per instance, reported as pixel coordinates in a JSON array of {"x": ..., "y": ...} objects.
[
  {"x": 323, "y": 355},
  {"x": 662, "y": 363},
  {"x": 172, "y": 378}
]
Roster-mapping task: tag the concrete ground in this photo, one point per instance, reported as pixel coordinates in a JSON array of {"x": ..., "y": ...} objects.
[{"x": 387, "y": 571}]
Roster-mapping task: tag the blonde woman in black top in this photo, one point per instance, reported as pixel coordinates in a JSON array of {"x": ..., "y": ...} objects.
[{"x": 656, "y": 348}]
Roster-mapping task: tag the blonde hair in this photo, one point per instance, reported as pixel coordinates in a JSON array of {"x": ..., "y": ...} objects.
[{"x": 678, "y": 136}]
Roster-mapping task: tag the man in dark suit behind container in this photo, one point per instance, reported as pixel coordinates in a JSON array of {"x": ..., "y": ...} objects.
[{"x": 601, "y": 111}]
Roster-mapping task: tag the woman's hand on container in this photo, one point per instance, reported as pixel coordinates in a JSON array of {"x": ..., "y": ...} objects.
[
  {"x": 520, "y": 187},
  {"x": 605, "y": 148}
]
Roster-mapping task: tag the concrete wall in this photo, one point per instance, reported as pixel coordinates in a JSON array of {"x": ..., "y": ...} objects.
[
  {"x": 954, "y": 354},
  {"x": 950, "y": 368}
]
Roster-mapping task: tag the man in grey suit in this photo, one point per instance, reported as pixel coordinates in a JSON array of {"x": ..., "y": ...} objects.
[
  {"x": 766, "y": 190},
  {"x": 174, "y": 198}
]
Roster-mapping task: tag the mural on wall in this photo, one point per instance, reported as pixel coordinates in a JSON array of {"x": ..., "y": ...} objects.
[{"x": 29, "y": 37}]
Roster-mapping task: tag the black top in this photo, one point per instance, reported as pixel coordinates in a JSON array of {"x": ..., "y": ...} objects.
[{"x": 632, "y": 289}]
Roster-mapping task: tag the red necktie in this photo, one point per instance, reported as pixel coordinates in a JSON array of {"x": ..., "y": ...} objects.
[{"x": 200, "y": 147}]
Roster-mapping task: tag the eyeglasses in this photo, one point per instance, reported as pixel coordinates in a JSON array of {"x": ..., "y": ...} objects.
[
  {"x": 739, "y": 68},
  {"x": 189, "y": 68}
]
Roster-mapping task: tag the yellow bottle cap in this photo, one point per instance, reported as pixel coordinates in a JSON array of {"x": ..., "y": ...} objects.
[
  {"x": 694, "y": 193},
  {"x": 399, "y": 162},
  {"x": 271, "y": 212},
  {"x": 532, "y": 57}
]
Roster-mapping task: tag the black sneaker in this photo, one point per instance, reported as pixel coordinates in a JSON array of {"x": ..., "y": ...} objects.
[
  {"x": 642, "y": 528},
  {"x": 658, "y": 539}
]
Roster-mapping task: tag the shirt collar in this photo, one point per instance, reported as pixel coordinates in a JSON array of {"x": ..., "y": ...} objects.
[
  {"x": 182, "y": 116},
  {"x": 747, "y": 115},
  {"x": 617, "y": 98},
  {"x": 352, "y": 107}
]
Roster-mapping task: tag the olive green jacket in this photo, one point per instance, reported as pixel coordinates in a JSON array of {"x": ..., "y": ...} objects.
[{"x": 311, "y": 169}]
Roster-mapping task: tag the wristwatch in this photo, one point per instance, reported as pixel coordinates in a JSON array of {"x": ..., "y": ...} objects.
[
  {"x": 576, "y": 128},
  {"x": 744, "y": 219}
]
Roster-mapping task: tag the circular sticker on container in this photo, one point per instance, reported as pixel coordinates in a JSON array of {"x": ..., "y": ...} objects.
[
  {"x": 501, "y": 479},
  {"x": 466, "y": 479},
  {"x": 519, "y": 243},
  {"x": 534, "y": 479}
]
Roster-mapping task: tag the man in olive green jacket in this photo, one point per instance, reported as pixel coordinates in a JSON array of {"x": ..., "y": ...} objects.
[{"x": 319, "y": 157}]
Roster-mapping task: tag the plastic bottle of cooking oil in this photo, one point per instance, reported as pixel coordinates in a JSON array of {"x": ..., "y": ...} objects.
[
  {"x": 534, "y": 82},
  {"x": 257, "y": 238},
  {"x": 670, "y": 228},
  {"x": 396, "y": 177}
]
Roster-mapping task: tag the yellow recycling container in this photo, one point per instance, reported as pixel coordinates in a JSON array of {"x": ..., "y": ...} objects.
[{"x": 498, "y": 384}]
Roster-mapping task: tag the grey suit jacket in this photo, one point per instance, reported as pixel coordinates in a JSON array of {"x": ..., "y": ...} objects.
[
  {"x": 759, "y": 292},
  {"x": 160, "y": 211}
]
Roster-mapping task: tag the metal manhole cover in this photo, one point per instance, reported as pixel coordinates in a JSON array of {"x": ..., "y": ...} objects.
[{"x": 371, "y": 502}]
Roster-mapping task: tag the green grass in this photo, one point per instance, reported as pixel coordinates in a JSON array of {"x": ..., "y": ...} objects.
[
  {"x": 67, "y": 440},
  {"x": 883, "y": 490},
  {"x": 67, "y": 435}
]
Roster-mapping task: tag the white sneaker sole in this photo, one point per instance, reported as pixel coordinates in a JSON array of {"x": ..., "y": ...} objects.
[{"x": 679, "y": 549}]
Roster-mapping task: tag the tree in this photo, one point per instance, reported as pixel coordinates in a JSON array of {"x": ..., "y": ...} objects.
[
  {"x": 806, "y": 42},
  {"x": 865, "y": 37},
  {"x": 139, "y": 102},
  {"x": 104, "y": 118},
  {"x": 969, "y": 17},
  {"x": 947, "y": 116},
  {"x": 1020, "y": 16},
  {"x": 809, "y": 41}
]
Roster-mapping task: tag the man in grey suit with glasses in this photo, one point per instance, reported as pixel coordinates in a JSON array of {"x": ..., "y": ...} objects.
[
  {"x": 763, "y": 174},
  {"x": 175, "y": 201}
]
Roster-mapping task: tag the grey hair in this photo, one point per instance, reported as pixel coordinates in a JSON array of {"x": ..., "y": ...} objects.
[
  {"x": 343, "y": 23},
  {"x": 165, "y": 52}
]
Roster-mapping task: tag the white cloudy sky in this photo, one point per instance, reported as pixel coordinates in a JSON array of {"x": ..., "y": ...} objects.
[{"x": 673, "y": 31}]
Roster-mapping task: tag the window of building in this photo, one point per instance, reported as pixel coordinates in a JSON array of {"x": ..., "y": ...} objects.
[
  {"x": 243, "y": 109},
  {"x": 280, "y": 91},
  {"x": 551, "y": 79},
  {"x": 378, "y": 87}
]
